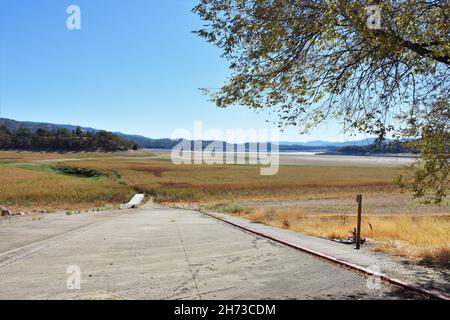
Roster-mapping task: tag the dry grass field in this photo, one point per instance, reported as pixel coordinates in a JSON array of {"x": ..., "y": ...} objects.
[
  {"x": 422, "y": 237},
  {"x": 316, "y": 200},
  {"x": 203, "y": 183},
  {"x": 35, "y": 187}
]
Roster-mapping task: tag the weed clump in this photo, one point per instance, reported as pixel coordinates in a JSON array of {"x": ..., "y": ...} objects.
[{"x": 79, "y": 172}]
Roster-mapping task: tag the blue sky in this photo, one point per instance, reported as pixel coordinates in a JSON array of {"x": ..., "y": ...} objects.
[{"x": 134, "y": 66}]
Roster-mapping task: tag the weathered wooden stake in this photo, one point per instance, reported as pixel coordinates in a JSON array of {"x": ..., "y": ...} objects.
[{"x": 358, "y": 226}]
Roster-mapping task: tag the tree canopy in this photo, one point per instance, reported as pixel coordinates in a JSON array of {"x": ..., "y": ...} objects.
[
  {"x": 312, "y": 60},
  {"x": 62, "y": 140}
]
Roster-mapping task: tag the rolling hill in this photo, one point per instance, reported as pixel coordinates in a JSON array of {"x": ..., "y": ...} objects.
[{"x": 145, "y": 142}]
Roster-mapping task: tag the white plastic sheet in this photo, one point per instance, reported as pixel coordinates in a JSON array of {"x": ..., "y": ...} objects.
[{"x": 134, "y": 202}]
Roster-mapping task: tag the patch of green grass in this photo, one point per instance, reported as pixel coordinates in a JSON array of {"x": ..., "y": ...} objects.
[
  {"x": 172, "y": 195},
  {"x": 34, "y": 166},
  {"x": 78, "y": 172},
  {"x": 227, "y": 208}
]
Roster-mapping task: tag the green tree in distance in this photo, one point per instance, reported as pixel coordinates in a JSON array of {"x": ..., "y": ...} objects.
[
  {"x": 62, "y": 140},
  {"x": 312, "y": 60}
]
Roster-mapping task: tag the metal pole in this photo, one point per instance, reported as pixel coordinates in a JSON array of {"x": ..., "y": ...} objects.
[{"x": 358, "y": 226}]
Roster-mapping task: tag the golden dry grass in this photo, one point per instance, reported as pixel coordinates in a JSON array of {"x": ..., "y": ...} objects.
[
  {"x": 27, "y": 189},
  {"x": 28, "y": 156},
  {"x": 399, "y": 225},
  {"x": 202, "y": 183},
  {"x": 423, "y": 237},
  {"x": 180, "y": 183}
]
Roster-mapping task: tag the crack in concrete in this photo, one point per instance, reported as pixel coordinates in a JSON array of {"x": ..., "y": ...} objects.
[
  {"x": 193, "y": 274},
  {"x": 46, "y": 244}
]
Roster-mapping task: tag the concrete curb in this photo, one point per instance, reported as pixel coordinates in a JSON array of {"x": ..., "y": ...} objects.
[{"x": 410, "y": 286}]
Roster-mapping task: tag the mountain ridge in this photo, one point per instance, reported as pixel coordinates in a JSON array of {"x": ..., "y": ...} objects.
[{"x": 145, "y": 142}]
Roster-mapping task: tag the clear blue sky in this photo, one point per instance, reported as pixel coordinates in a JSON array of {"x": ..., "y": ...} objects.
[{"x": 133, "y": 67}]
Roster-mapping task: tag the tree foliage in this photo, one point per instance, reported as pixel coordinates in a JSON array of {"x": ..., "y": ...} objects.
[
  {"x": 430, "y": 134},
  {"x": 62, "y": 140},
  {"x": 312, "y": 60}
]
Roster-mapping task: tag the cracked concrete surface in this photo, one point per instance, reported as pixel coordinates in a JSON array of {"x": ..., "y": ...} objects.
[
  {"x": 163, "y": 253},
  {"x": 434, "y": 279}
]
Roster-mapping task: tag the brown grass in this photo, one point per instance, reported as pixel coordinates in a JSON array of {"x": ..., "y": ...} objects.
[
  {"x": 321, "y": 198},
  {"x": 437, "y": 257},
  {"x": 423, "y": 237},
  {"x": 202, "y": 183},
  {"x": 182, "y": 183},
  {"x": 27, "y": 189},
  {"x": 28, "y": 156}
]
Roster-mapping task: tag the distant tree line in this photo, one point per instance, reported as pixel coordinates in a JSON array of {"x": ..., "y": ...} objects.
[
  {"x": 377, "y": 148},
  {"x": 62, "y": 140}
]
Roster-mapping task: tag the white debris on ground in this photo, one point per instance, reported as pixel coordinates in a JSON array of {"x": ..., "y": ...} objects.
[
  {"x": 4, "y": 212},
  {"x": 134, "y": 202}
]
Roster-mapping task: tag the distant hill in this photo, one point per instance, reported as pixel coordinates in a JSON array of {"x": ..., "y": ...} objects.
[
  {"x": 321, "y": 143},
  {"x": 141, "y": 141},
  {"x": 148, "y": 143},
  {"x": 389, "y": 147},
  {"x": 33, "y": 126},
  {"x": 31, "y": 136}
]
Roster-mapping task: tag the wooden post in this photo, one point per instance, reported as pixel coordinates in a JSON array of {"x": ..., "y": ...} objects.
[{"x": 358, "y": 226}]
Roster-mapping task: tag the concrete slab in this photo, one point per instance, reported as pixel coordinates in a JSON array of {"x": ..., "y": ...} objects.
[
  {"x": 375, "y": 261},
  {"x": 162, "y": 253}
]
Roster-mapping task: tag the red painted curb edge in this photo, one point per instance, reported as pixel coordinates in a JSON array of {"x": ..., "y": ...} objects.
[{"x": 410, "y": 286}]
